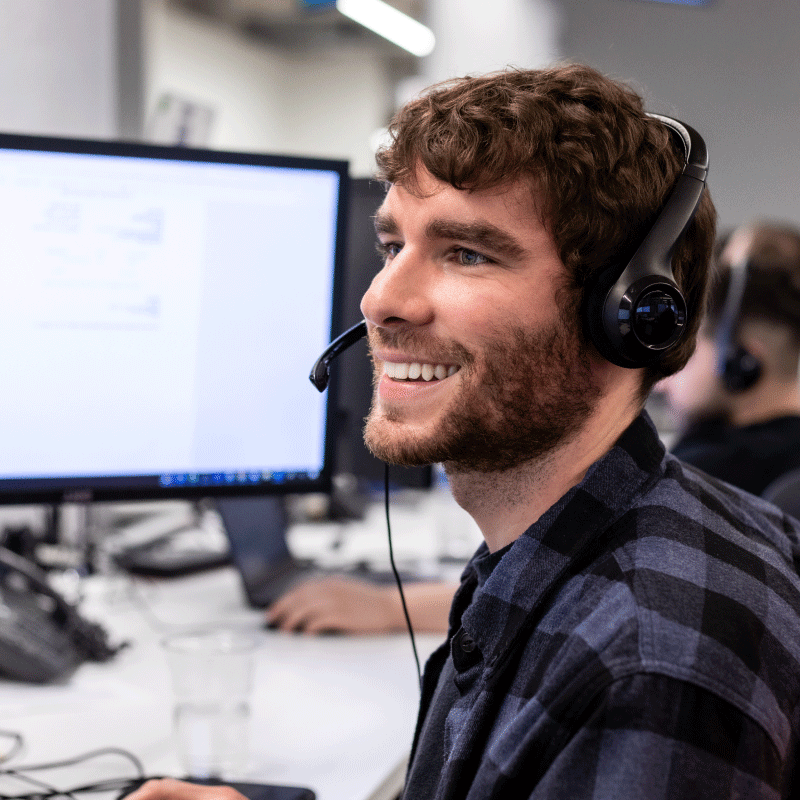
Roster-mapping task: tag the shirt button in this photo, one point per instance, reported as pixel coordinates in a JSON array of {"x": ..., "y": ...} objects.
[{"x": 467, "y": 643}]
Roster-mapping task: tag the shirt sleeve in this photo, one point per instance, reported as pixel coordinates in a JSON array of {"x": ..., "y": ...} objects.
[{"x": 652, "y": 736}]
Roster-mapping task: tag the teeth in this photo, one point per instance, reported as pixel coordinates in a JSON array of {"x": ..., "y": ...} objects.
[{"x": 403, "y": 371}]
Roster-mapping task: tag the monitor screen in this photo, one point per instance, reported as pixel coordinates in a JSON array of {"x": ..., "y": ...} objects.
[{"x": 160, "y": 311}]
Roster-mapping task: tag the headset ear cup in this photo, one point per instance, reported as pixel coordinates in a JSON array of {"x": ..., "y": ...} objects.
[
  {"x": 596, "y": 293},
  {"x": 633, "y": 326},
  {"x": 741, "y": 370}
]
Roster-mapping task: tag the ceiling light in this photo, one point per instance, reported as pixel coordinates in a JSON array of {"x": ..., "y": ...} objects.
[{"x": 390, "y": 23}]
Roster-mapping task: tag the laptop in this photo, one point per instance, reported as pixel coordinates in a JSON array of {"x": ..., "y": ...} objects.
[{"x": 256, "y": 531}]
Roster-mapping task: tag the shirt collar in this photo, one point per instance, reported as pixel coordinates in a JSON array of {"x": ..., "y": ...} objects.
[{"x": 506, "y": 606}]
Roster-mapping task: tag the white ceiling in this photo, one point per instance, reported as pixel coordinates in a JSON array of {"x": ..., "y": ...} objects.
[{"x": 291, "y": 24}]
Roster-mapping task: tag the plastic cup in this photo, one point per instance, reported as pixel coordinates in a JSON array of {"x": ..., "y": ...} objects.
[{"x": 212, "y": 680}]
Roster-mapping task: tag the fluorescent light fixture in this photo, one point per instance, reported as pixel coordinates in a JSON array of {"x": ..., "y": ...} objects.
[{"x": 390, "y": 23}]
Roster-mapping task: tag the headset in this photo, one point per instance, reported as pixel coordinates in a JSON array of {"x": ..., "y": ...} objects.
[
  {"x": 321, "y": 371},
  {"x": 737, "y": 367},
  {"x": 634, "y": 313}
]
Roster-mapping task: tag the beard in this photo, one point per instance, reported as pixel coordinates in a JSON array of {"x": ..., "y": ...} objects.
[{"x": 521, "y": 396}]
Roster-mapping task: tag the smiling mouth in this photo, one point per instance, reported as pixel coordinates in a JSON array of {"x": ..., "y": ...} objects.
[{"x": 418, "y": 371}]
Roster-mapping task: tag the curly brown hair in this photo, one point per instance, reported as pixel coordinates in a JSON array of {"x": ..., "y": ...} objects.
[{"x": 600, "y": 169}]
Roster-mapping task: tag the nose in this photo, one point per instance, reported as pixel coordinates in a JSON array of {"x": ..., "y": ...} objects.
[{"x": 400, "y": 294}]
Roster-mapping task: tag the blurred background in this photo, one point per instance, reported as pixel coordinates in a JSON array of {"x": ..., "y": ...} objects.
[{"x": 297, "y": 76}]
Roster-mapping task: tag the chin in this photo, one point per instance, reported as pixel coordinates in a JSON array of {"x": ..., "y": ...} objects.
[{"x": 398, "y": 444}]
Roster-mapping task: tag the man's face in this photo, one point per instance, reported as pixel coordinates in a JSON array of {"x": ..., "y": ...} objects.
[{"x": 468, "y": 298}]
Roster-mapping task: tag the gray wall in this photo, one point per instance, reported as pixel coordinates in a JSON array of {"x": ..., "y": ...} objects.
[
  {"x": 731, "y": 69},
  {"x": 58, "y": 67}
]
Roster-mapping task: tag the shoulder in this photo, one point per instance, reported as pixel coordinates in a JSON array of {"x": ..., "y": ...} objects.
[
  {"x": 685, "y": 508},
  {"x": 703, "y": 580}
]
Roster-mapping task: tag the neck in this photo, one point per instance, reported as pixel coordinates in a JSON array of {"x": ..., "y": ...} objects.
[
  {"x": 505, "y": 504},
  {"x": 767, "y": 400}
]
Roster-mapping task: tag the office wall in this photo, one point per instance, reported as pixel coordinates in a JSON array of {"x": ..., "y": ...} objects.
[
  {"x": 325, "y": 102},
  {"x": 730, "y": 68},
  {"x": 58, "y": 67},
  {"x": 473, "y": 36}
]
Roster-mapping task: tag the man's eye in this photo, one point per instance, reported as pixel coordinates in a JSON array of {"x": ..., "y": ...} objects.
[
  {"x": 387, "y": 250},
  {"x": 469, "y": 258}
]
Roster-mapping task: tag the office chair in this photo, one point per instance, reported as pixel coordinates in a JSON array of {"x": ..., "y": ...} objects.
[{"x": 784, "y": 492}]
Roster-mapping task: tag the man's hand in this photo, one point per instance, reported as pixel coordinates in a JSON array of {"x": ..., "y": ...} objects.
[
  {"x": 350, "y": 605},
  {"x": 345, "y": 605},
  {"x": 171, "y": 789}
]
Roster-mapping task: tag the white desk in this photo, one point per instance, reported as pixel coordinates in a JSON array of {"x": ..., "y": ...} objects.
[{"x": 333, "y": 713}]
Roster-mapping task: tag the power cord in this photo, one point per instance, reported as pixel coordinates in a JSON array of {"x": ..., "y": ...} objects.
[
  {"x": 397, "y": 574},
  {"x": 16, "y": 745},
  {"x": 47, "y": 790}
]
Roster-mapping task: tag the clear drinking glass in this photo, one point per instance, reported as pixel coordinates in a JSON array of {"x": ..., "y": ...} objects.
[{"x": 212, "y": 680}]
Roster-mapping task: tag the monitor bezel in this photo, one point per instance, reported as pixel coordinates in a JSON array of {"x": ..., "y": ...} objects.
[{"x": 90, "y": 488}]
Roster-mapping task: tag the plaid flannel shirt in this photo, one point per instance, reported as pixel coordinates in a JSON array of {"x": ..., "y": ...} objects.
[{"x": 640, "y": 640}]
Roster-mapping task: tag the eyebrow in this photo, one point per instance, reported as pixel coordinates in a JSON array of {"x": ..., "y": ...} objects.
[
  {"x": 483, "y": 235},
  {"x": 384, "y": 222}
]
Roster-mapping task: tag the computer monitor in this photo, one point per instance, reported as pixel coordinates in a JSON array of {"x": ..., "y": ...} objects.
[
  {"x": 160, "y": 310},
  {"x": 354, "y": 367}
]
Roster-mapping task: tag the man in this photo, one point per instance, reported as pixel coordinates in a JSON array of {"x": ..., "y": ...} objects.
[
  {"x": 739, "y": 395},
  {"x": 628, "y": 629}
]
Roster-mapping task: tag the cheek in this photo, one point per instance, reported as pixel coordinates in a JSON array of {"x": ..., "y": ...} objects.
[{"x": 489, "y": 315}]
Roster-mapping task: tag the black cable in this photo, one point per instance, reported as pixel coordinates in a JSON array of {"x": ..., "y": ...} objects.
[
  {"x": 50, "y": 790},
  {"x": 122, "y": 785},
  {"x": 47, "y": 790},
  {"x": 71, "y": 762},
  {"x": 397, "y": 574},
  {"x": 16, "y": 745}
]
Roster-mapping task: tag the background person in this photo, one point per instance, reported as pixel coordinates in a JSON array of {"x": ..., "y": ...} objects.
[{"x": 738, "y": 398}]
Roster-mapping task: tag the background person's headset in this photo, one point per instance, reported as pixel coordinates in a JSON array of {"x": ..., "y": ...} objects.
[
  {"x": 737, "y": 367},
  {"x": 634, "y": 313}
]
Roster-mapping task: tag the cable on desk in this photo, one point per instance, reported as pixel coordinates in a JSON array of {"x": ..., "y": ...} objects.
[
  {"x": 49, "y": 789},
  {"x": 397, "y": 574},
  {"x": 16, "y": 745},
  {"x": 122, "y": 785},
  {"x": 46, "y": 790},
  {"x": 71, "y": 762}
]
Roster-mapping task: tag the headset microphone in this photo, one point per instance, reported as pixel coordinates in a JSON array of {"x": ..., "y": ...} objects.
[
  {"x": 321, "y": 371},
  {"x": 320, "y": 376}
]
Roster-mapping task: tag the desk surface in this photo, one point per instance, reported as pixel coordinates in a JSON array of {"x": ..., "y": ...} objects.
[{"x": 332, "y": 713}]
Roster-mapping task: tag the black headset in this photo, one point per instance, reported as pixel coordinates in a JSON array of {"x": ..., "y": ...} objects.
[
  {"x": 737, "y": 367},
  {"x": 635, "y": 313}
]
